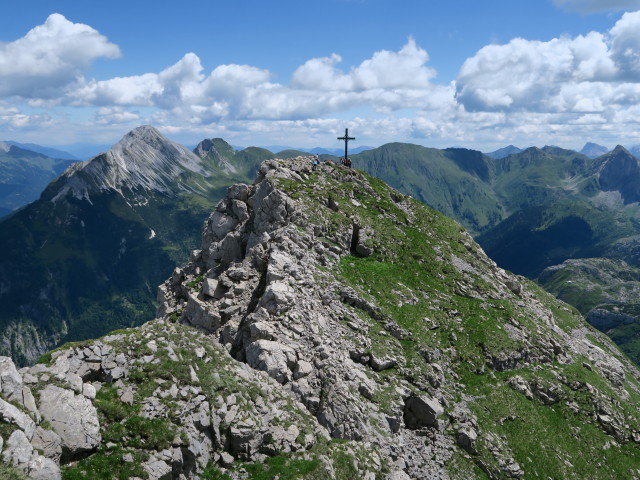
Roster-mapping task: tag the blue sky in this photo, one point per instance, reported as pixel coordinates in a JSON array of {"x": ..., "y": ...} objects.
[{"x": 279, "y": 72}]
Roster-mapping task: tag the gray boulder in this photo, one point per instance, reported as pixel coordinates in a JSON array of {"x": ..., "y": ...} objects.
[
  {"x": 73, "y": 417},
  {"x": 421, "y": 411},
  {"x": 11, "y": 414},
  {"x": 48, "y": 442},
  {"x": 466, "y": 438},
  {"x": 42, "y": 468},
  {"x": 10, "y": 379},
  {"x": 18, "y": 451},
  {"x": 157, "y": 469}
]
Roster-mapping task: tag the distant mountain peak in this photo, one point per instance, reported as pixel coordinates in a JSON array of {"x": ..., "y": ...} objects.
[
  {"x": 620, "y": 171},
  {"x": 143, "y": 159},
  {"x": 5, "y": 147},
  {"x": 217, "y": 150},
  {"x": 593, "y": 150},
  {"x": 205, "y": 147},
  {"x": 621, "y": 149},
  {"x": 504, "y": 152}
]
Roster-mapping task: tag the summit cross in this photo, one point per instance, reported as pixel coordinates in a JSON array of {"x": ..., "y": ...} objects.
[{"x": 346, "y": 139}]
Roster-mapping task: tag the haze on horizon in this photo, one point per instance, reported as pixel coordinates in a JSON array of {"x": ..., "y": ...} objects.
[{"x": 558, "y": 72}]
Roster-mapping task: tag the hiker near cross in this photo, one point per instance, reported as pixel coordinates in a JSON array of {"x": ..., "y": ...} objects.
[{"x": 346, "y": 139}]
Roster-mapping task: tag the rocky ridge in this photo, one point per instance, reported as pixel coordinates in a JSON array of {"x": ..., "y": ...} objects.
[
  {"x": 143, "y": 159},
  {"x": 342, "y": 330}
]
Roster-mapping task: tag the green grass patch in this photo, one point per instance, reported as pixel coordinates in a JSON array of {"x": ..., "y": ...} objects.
[
  {"x": 282, "y": 468},
  {"x": 106, "y": 464}
]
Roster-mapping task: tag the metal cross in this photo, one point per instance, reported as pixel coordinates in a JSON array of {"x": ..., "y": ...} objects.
[{"x": 346, "y": 139}]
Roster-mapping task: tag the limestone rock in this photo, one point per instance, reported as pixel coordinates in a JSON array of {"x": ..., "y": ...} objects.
[
  {"x": 12, "y": 415},
  {"x": 42, "y": 468},
  {"x": 49, "y": 443},
  {"x": 157, "y": 469},
  {"x": 18, "y": 451},
  {"x": 466, "y": 438},
  {"x": 10, "y": 379},
  {"x": 273, "y": 358},
  {"x": 422, "y": 411},
  {"x": 73, "y": 417}
]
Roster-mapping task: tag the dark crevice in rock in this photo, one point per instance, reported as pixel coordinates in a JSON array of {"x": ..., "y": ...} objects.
[{"x": 355, "y": 239}]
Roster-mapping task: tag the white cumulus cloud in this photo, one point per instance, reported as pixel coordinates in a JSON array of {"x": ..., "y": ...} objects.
[
  {"x": 587, "y": 73},
  {"x": 404, "y": 69},
  {"x": 50, "y": 57},
  {"x": 386, "y": 82},
  {"x": 625, "y": 46},
  {"x": 115, "y": 115}
]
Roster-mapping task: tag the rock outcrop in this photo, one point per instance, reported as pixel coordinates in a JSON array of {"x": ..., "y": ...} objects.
[{"x": 330, "y": 327}]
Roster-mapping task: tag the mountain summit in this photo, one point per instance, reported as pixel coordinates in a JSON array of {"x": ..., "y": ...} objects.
[
  {"x": 84, "y": 258},
  {"x": 143, "y": 160},
  {"x": 593, "y": 150},
  {"x": 619, "y": 171},
  {"x": 342, "y": 330}
]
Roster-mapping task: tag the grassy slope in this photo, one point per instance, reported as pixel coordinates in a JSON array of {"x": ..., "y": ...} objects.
[
  {"x": 453, "y": 181},
  {"x": 411, "y": 257}
]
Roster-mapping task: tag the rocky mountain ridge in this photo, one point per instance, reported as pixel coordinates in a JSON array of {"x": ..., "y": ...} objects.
[
  {"x": 619, "y": 171},
  {"x": 85, "y": 258},
  {"x": 331, "y": 327},
  {"x": 143, "y": 159},
  {"x": 606, "y": 292}
]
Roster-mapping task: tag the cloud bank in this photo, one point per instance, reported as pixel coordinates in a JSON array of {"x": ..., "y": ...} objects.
[
  {"x": 50, "y": 57},
  {"x": 522, "y": 91}
]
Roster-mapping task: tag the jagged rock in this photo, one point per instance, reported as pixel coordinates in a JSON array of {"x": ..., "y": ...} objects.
[
  {"x": 18, "y": 451},
  {"x": 73, "y": 418},
  {"x": 513, "y": 285},
  {"x": 157, "y": 469},
  {"x": 11, "y": 414},
  {"x": 10, "y": 379},
  {"x": 521, "y": 385},
  {"x": 277, "y": 298},
  {"x": 199, "y": 315},
  {"x": 422, "y": 411},
  {"x": 273, "y": 358},
  {"x": 466, "y": 438},
  {"x": 209, "y": 287},
  {"x": 49, "y": 443},
  {"x": 380, "y": 364},
  {"x": 41, "y": 468}
]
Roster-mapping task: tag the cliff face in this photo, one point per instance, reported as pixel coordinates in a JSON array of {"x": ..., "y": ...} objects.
[
  {"x": 342, "y": 330},
  {"x": 619, "y": 171}
]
